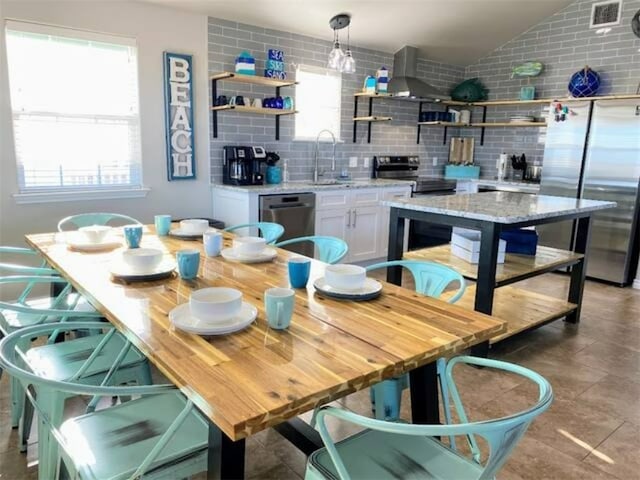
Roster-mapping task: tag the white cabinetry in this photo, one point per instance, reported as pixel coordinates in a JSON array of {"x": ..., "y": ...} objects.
[{"x": 357, "y": 217}]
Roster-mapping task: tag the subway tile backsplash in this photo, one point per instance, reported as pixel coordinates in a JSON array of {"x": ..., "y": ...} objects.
[
  {"x": 228, "y": 39},
  {"x": 563, "y": 42}
]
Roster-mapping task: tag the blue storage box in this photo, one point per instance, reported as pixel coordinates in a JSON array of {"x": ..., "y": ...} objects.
[
  {"x": 461, "y": 171},
  {"x": 521, "y": 242}
]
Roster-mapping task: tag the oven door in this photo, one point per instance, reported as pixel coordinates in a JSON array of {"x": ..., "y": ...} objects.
[{"x": 422, "y": 234}]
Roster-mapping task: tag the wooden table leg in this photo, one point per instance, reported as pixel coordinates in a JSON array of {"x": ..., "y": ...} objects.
[
  {"x": 425, "y": 402},
  {"x": 225, "y": 457},
  {"x": 396, "y": 245},
  {"x": 579, "y": 270}
]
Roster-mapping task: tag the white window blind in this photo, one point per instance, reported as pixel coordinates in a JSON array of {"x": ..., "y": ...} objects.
[
  {"x": 74, "y": 99},
  {"x": 318, "y": 101}
]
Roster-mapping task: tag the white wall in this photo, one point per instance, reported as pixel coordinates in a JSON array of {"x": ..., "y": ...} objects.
[{"x": 156, "y": 29}]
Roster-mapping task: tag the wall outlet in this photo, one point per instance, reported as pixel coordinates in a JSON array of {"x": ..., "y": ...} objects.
[
  {"x": 353, "y": 162},
  {"x": 366, "y": 162},
  {"x": 435, "y": 161}
]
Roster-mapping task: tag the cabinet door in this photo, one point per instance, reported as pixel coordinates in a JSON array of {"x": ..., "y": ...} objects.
[
  {"x": 383, "y": 235},
  {"x": 364, "y": 238},
  {"x": 334, "y": 222}
]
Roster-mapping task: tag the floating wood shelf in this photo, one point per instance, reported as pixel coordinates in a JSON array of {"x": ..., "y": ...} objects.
[
  {"x": 263, "y": 111},
  {"x": 521, "y": 309},
  {"x": 491, "y": 103},
  {"x": 253, "y": 79},
  {"x": 509, "y": 124},
  {"x": 372, "y": 118},
  {"x": 514, "y": 269},
  {"x": 444, "y": 124},
  {"x": 366, "y": 94}
]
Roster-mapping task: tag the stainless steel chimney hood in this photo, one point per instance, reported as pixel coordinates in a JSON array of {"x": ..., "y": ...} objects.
[{"x": 405, "y": 84}]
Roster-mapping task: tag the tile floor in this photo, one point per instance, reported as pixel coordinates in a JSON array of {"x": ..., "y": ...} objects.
[{"x": 592, "y": 430}]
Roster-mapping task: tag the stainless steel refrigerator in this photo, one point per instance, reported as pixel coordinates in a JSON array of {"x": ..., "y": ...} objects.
[{"x": 595, "y": 154}]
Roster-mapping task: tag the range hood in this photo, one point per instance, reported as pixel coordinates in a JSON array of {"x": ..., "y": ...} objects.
[{"x": 405, "y": 84}]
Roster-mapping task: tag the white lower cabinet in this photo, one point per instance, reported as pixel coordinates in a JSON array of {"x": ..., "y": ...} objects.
[{"x": 357, "y": 217}]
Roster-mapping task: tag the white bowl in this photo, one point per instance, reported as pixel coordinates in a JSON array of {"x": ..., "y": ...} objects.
[
  {"x": 345, "y": 277},
  {"x": 196, "y": 226},
  {"x": 216, "y": 304},
  {"x": 250, "y": 246},
  {"x": 142, "y": 259},
  {"x": 95, "y": 233}
]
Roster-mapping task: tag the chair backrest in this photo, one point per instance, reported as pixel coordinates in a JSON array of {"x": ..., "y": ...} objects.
[
  {"x": 330, "y": 249},
  {"x": 13, "y": 359},
  {"x": 19, "y": 269},
  {"x": 502, "y": 434},
  {"x": 270, "y": 231},
  {"x": 430, "y": 278},
  {"x": 74, "y": 222},
  {"x": 52, "y": 313}
]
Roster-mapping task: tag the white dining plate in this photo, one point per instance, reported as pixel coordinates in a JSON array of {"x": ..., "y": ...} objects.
[
  {"x": 186, "y": 235},
  {"x": 81, "y": 245},
  {"x": 266, "y": 255},
  {"x": 120, "y": 269},
  {"x": 181, "y": 318},
  {"x": 370, "y": 290}
]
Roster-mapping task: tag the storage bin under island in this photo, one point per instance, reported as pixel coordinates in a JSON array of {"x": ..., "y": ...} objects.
[{"x": 492, "y": 213}]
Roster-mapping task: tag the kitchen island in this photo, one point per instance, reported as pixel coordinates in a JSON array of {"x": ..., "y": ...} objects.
[{"x": 491, "y": 213}]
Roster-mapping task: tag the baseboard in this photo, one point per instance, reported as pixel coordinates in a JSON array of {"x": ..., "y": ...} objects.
[{"x": 636, "y": 283}]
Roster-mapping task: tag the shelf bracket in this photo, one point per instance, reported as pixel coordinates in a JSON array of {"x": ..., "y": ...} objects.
[
  {"x": 419, "y": 126},
  {"x": 444, "y": 135},
  {"x": 369, "y": 123},
  {"x": 277, "y": 117},
  {"x": 355, "y": 114},
  {"x": 214, "y": 95},
  {"x": 484, "y": 120}
]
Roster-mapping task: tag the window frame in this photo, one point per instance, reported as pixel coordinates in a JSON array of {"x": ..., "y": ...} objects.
[
  {"x": 52, "y": 193},
  {"x": 320, "y": 71}
]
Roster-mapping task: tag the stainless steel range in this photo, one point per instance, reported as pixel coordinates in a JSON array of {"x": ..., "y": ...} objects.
[{"x": 398, "y": 167}]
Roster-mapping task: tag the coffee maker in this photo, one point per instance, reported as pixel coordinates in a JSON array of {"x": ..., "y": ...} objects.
[{"x": 242, "y": 165}]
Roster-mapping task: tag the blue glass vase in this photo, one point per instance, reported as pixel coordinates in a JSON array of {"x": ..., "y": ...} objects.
[{"x": 274, "y": 175}]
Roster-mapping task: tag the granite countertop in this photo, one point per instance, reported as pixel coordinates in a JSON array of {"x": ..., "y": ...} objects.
[
  {"x": 500, "y": 207},
  {"x": 299, "y": 187}
]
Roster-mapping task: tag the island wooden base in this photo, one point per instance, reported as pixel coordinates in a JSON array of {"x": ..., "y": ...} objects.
[
  {"x": 515, "y": 267},
  {"x": 521, "y": 309}
]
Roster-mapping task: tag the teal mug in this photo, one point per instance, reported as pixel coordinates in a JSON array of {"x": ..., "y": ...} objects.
[
  {"x": 188, "y": 263},
  {"x": 288, "y": 103},
  {"x": 132, "y": 235},
  {"x": 278, "y": 304},
  {"x": 163, "y": 224}
]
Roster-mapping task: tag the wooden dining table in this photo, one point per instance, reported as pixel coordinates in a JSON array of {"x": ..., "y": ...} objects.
[{"x": 260, "y": 378}]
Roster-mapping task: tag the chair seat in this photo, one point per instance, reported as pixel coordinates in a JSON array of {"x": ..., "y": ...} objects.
[
  {"x": 11, "y": 321},
  {"x": 111, "y": 443},
  {"x": 380, "y": 455},
  {"x": 60, "y": 361}
]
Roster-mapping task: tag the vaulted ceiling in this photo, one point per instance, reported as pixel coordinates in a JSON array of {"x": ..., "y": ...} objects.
[{"x": 452, "y": 31}]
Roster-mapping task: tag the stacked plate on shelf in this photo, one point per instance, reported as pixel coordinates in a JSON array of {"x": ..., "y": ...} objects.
[{"x": 522, "y": 119}]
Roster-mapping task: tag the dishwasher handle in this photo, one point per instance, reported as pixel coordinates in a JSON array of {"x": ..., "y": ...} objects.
[{"x": 288, "y": 206}]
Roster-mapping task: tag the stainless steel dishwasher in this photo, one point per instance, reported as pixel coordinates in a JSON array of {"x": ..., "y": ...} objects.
[{"x": 296, "y": 213}]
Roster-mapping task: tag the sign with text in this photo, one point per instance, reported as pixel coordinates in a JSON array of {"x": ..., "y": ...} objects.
[{"x": 178, "y": 98}]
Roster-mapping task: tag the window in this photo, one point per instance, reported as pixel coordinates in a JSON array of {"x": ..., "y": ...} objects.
[
  {"x": 318, "y": 100},
  {"x": 74, "y": 99}
]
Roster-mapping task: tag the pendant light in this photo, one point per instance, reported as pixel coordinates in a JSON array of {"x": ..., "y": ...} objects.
[
  {"x": 337, "y": 55},
  {"x": 349, "y": 63}
]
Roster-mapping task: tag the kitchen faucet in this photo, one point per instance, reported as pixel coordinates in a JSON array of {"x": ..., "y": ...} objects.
[{"x": 317, "y": 173}]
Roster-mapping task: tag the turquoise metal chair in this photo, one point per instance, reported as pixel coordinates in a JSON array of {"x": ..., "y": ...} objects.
[
  {"x": 159, "y": 435},
  {"x": 59, "y": 360},
  {"x": 330, "y": 249},
  {"x": 430, "y": 279},
  {"x": 270, "y": 231},
  {"x": 388, "y": 450},
  {"x": 39, "y": 266},
  {"x": 74, "y": 222}
]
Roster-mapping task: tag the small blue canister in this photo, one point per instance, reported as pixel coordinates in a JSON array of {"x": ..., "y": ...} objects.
[{"x": 274, "y": 175}]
